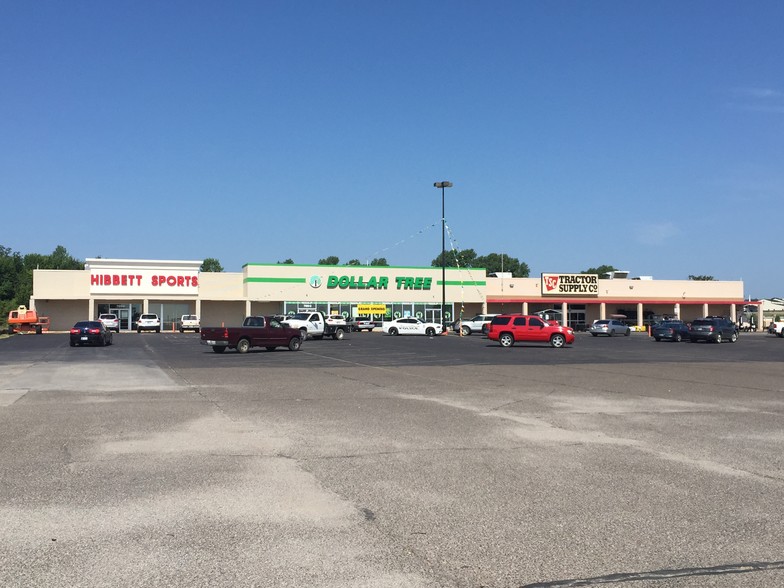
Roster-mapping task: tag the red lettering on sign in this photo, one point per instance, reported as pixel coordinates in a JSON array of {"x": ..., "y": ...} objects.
[{"x": 551, "y": 282}]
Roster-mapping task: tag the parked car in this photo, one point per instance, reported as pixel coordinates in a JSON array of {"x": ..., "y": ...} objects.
[
  {"x": 148, "y": 322},
  {"x": 189, "y": 322},
  {"x": 670, "y": 330},
  {"x": 361, "y": 323},
  {"x": 478, "y": 324},
  {"x": 507, "y": 329},
  {"x": 410, "y": 326},
  {"x": 110, "y": 321},
  {"x": 90, "y": 333},
  {"x": 713, "y": 328},
  {"x": 609, "y": 327}
]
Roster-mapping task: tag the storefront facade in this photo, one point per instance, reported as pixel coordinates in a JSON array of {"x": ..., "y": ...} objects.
[{"x": 128, "y": 287}]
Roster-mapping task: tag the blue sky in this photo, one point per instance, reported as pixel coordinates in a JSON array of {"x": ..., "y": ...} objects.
[{"x": 647, "y": 136}]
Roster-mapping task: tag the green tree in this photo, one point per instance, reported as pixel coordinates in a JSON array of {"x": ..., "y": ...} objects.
[
  {"x": 701, "y": 278},
  {"x": 601, "y": 270},
  {"x": 288, "y": 261},
  {"x": 500, "y": 262},
  {"x": 382, "y": 261},
  {"x": 331, "y": 260},
  {"x": 455, "y": 258},
  {"x": 211, "y": 265},
  {"x": 354, "y": 262}
]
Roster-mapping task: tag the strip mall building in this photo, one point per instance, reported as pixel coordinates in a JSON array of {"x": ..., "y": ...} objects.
[{"x": 129, "y": 287}]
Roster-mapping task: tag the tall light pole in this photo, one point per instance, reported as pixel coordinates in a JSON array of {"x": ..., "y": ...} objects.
[{"x": 443, "y": 186}]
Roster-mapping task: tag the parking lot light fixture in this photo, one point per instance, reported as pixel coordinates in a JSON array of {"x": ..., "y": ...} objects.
[{"x": 443, "y": 185}]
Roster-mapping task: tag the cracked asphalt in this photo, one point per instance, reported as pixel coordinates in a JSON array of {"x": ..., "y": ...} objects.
[{"x": 392, "y": 462}]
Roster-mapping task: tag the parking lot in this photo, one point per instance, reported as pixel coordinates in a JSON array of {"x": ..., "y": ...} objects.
[{"x": 392, "y": 462}]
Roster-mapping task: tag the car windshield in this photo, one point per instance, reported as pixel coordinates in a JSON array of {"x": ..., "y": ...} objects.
[
  {"x": 89, "y": 324},
  {"x": 189, "y": 317},
  {"x": 300, "y": 316},
  {"x": 600, "y": 323},
  {"x": 149, "y": 316}
]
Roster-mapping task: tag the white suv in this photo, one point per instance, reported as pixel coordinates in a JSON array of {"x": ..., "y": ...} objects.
[
  {"x": 148, "y": 322},
  {"x": 477, "y": 324},
  {"x": 110, "y": 321}
]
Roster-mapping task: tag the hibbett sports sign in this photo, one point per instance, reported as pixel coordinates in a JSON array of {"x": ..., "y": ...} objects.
[{"x": 570, "y": 285}]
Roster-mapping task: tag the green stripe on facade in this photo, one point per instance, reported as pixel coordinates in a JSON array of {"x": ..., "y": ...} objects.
[
  {"x": 450, "y": 283},
  {"x": 277, "y": 280}
]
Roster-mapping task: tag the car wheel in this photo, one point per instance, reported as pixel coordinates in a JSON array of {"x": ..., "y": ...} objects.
[
  {"x": 243, "y": 345},
  {"x": 557, "y": 340},
  {"x": 393, "y": 331},
  {"x": 182, "y": 330},
  {"x": 658, "y": 339},
  {"x": 430, "y": 332},
  {"x": 295, "y": 344},
  {"x": 506, "y": 340},
  {"x": 733, "y": 337},
  {"x": 73, "y": 344},
  {"x": 627, "y": 333},
  {"x": 465, "y": 331},
  {"x": 158, "y": 330},
  {"x": 611, "y": 332},
  {"x": 139, "y": 331},
  {"x": 677, "y": 338},
  {"x": 218, "y": 349},
  {"x": 718, "y": 338},
  {"x": 595, "y": 334},
  {"x": 339, "y": 334}
]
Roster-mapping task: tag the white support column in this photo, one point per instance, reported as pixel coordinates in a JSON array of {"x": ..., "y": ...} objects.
[
  {"x": 602, "y": 311},
  {"x": 145, "y": 306},
  {"x": 525, "y": 308},
  {"x": 247, "y": 308},
  {"x": 705, "y": 311},
  {"x": 198, "y": 308},
  {"x": 91, "y": 309},
  {"x": 639, "y": 314},
  {"x": 759, "y": 318},
  {"x": 564, "y": 314},
  {"x": 733, "y": 313},
  {"x": 677, "y": 311}
]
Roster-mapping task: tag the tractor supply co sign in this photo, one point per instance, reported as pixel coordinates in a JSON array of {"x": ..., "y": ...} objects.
[
  {"x": 144, "y": 281},
  {"x": 570, "y": 284}
]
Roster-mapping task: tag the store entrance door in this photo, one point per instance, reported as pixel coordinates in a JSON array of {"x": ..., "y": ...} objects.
[
  {"x": 433, "y": 315},
  {"x": 124, "y": 314}
]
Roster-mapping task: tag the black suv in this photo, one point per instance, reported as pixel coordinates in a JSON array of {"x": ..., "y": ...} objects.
[{"x": 713, "y": 328}]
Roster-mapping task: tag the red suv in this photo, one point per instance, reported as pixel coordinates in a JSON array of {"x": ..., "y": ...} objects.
[{"x": 508, "y": 328}]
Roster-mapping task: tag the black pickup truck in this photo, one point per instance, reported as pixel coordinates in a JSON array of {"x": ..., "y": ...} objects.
[{"x": 256, "y": 331}]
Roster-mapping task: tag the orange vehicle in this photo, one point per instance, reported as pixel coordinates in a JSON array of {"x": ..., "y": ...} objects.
[{"x": 23, "y": 320}]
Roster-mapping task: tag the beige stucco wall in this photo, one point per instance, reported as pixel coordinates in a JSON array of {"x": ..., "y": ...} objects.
[
  {"x": 221, "y": 286},
  {"x": 61, "y": 284}
]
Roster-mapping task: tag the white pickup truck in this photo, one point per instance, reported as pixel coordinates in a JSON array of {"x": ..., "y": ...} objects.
[
  {"x": 776, "y": 328},
  {"x": 315, "y": 325},
  {"x": 189, "y": 322}
]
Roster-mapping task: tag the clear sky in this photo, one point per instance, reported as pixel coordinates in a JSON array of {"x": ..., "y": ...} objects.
[{"x": 644, "y": 135}]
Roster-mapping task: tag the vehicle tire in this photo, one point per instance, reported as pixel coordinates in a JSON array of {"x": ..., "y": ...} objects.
[
  {"x": 243, "y": 346},
  {"x": 158, "y": 330},
  {"x": 198, "y": 330},
  {"x": 658, "y": 339},
  {"x": 595, "y": 334},
  {"x": 465, "y": 331},
  {"x": 779, "y": 334},
  {"x": 338, "y": 335},
  {"x": 73, "y": 344},
  {"x": 103, "y": 341},
  {"x": 430, "y": 332},
  {"x": 733, "y": 337},
  {"x": 557, "y": 340},
  {"x": 718, "y": 338},
  {"x": 303, "y": 335},
  {"x": 627, "y": 333},
  {"x": 218, "y": 349},
  {"x": 182, "y": 330},
  {"x": 295, "y": 344},
  {"x": 611, "y": 332},
  {"x": 393, "y": 331},
  {"x": 693, "y": 339},
  {"x": 677, "y": 338},
  {"x": 270, "y": 348},
  {"x": 139, "y": 331},
  {"x": 506, "y": 339}
]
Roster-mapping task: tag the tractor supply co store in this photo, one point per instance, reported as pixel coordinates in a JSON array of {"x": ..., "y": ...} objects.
[{"x": 173, "y": 288}]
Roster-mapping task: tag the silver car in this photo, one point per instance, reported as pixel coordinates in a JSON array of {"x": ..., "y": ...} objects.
[
  {"x": 609, "y": 327},
  {"x": 110, "y": 321},
  {"x": 478, "y": 324}
]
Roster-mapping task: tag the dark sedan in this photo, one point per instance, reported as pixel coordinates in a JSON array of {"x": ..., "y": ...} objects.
[
  {"x": 670, "y": 330},
  {"x": 90, "y": 333}
]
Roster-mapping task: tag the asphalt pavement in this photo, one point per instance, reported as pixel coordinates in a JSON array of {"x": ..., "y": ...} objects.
[{"x": 392, "y": 462}]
